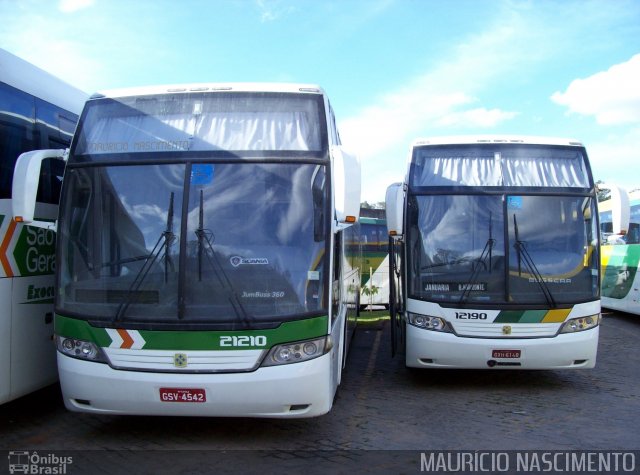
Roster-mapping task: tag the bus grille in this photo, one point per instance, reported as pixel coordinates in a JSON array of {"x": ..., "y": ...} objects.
[
  {"x": 506, "y": 330},
  {"x": 176, "y": 361}
]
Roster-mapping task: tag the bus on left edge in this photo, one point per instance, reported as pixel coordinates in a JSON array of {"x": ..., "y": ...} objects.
[{"x": 37, "y": 110}]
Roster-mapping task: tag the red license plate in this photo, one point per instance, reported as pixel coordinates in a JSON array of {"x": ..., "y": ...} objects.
[
  {"x": 182, "y": 395},
  {"x": 506, "y": 354}
]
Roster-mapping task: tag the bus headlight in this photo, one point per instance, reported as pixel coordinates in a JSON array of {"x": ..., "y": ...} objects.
[
  {"x": 81, "y": 349},
  {"x": 296, "y": 352},
  {"x": 428, "y": 323},
  {"x": 580, "y": 324}
]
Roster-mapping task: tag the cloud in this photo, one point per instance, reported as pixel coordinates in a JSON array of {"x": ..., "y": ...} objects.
[
  {"x": 612, "y": 96},
  {"x": 272, "y": 10},
  {"x": 444, "y": 100},
  {"x": 481, "y": 117},
  {"x": 613, "y": 158},
  {"x": 70, "y": 6},
  {"x": 441, "y": 98}
]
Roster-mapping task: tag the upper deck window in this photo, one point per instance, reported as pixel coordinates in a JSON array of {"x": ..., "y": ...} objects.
[
  {"x": 220, "y": 121},
  {"x": 499, "y": 165}
]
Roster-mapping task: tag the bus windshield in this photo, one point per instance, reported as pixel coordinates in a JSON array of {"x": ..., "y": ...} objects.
[
  {"x": 221, "y": 243},
  {"x": 224, "y": 121},
  {"x": 458, "y": 252}
]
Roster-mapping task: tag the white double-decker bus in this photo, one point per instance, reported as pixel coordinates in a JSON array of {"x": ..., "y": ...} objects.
[
  {"x": 201, "y": 252},
  {"x": 495, "y": 256},
  {"x": 37, "y": 110}
]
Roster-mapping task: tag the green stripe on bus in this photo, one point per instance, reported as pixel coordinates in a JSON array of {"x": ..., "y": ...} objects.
[
  {"x": 520, "y": 316},
  {"x": 197, "y": 339},
  {"x": 533, "y": 316},
  {"x": 509, "y": 316}
]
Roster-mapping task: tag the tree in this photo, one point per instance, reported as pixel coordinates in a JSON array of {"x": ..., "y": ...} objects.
[
  {"x": 603, "y": 193},
  {"x": 370, "y": 290},
  {"x": 376, "y": 205}
]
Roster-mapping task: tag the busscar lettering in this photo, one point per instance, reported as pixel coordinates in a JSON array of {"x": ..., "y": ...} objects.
[{"x": 549, "y": 280}]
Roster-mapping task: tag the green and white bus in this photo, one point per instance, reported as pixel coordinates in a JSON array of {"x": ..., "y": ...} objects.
[
  {"x": 495, "y": 256},
  {"x": 620, "y": 225},
  {"x": 201, "y": 252},
  {"x": 37, "y": 110}
]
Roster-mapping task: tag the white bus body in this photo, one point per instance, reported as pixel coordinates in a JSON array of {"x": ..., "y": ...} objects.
[
  {"x": 201, "y": 242},
  {"x": 621, "y": 251},
  {"x": 37, "y": 110},
  {"x": 496, "y": 255}
]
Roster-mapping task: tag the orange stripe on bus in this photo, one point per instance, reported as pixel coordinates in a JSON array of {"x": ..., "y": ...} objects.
[
  {"x": 127, "y": 341},
  {"x": 5, "y": 246}
]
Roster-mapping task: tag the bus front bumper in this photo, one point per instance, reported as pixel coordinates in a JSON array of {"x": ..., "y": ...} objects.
[
  {"x": 289, "y": 391},
  {"x": 430, "y": 349}
]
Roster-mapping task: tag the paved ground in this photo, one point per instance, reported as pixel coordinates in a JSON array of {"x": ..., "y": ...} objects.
[{"x": 381, "y": 410}]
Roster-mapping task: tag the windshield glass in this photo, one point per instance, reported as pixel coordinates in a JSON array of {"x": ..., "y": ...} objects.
[
  {"x": 247, "y": 244},
  {"x": 219, "y": 121},
  {"x": 456, "y": 249},
  {"x": 553, "y": 249}
]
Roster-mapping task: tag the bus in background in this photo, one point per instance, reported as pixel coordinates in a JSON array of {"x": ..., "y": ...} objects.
[
  {"x": 621, "y": 250},
  {"x": 37, "y": 110},
  {"x": 495, "y": 255},
  {"x": 201, "y": 241},
  {"x": 375, "y": 258}
]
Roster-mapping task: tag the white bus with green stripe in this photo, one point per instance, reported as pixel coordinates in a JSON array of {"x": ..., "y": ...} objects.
[
  {"x": 37, "y": 110},
  {"x": 495, "y": 255},
  {"x": 620, "y": 224},
  {"x": 201, "y": 252}
]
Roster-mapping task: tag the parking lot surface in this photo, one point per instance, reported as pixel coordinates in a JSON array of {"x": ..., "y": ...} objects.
[{"x": 384, "y": 416}]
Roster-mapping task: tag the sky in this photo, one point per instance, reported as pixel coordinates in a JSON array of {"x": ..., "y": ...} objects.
[{"x": 394, "y": 70}]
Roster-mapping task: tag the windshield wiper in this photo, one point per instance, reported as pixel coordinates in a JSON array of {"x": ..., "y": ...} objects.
[
  {"x": 205, "y": 237},
  {"x": 487, "y": 252},
  {"x": 523, "y": 255},
  {"x": 164, "y": 242}
]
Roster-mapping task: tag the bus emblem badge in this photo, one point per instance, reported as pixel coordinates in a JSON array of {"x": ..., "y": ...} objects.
[
  {"x": 506, "y": 330},
  {"x": 180, "y": 360}
]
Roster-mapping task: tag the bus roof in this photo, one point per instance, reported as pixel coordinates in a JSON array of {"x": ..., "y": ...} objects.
[
  {"x": 22, "y": 75},
  {"x": 211, "y": 87},
  {"x": 497, "y": 139}
]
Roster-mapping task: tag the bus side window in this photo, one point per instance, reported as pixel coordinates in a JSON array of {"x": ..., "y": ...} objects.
[
  {"x": 17, "y": 132},
  {"x": 337, "y": 271}
]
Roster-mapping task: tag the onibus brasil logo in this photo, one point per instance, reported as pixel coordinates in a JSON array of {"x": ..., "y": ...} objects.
[{"x": 23, "y": 461}]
